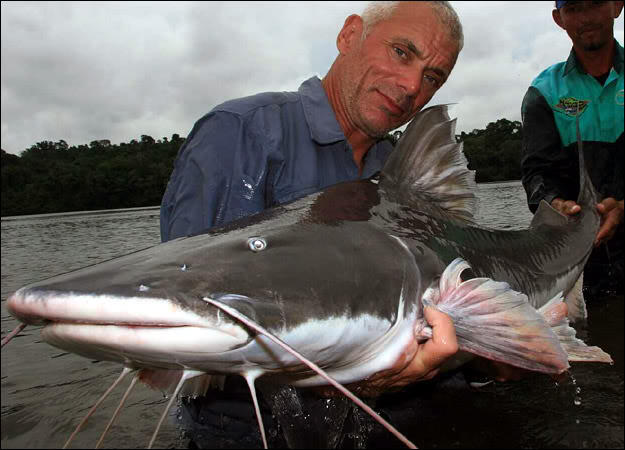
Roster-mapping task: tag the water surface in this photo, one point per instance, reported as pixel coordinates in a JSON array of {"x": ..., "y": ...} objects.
[{"x": 45, "y": 391}]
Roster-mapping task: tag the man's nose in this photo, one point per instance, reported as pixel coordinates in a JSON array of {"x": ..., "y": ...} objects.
[{"x": 409, "y": 81}]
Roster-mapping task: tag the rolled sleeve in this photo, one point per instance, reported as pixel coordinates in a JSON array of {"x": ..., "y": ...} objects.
[
  {"x": 548, "y": 171},
  {"x": 211, "y": 182}
]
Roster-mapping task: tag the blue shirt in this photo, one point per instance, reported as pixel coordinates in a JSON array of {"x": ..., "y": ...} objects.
[{"x": 256, "y": 152}]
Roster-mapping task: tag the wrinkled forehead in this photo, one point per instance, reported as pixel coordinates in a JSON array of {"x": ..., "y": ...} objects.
[
  {"x": 436, "y": 17},
  {"x": 422, "y": 25}
]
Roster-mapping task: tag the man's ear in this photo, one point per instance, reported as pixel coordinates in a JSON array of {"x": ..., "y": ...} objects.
[
  {"x": 556, "y": 18},
  {"x": 349, "y": 34}
]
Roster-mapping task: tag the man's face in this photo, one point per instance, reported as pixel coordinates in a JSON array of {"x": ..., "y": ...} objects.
[
  {"x": 395, "y": 71},
  {"x": 589, "y": 24}
]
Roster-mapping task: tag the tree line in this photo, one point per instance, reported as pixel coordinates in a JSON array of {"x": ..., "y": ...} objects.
[{"x": 52, "y": 177}]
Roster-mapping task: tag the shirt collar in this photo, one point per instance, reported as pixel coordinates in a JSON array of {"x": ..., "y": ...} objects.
[
  {"x": 572, "y": 62},
  {"x": 324, "y": 128}
]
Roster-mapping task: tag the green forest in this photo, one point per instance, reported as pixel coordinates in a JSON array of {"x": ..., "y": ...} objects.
[{"x": 54, "y": 177}]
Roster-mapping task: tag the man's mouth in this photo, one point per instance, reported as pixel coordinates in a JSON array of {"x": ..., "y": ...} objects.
[
  {"x": 394, "y": 107},
  {"x": 589, "y": 30}
]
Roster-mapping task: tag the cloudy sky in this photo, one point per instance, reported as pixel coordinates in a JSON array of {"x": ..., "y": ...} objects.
[{"x": 87, "y": 71}]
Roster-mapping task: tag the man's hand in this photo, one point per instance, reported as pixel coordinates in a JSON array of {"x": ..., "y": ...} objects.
[
  {"x": 610, "y": 210},
  {"x": 568, "y": 207},
  {"x": 418, "y": 362}
]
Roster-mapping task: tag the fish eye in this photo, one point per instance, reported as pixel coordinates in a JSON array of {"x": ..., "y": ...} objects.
[{"x": 257, "y": 244}]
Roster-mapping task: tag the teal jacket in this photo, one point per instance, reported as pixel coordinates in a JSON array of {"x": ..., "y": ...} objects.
[
  {"x": 549, "y": 111},
  {"x": 550, "y": 165}
]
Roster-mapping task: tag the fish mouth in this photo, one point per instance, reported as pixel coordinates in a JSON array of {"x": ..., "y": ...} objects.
[
  {"x": 40, "y": 307},
  {"x": 136, "y": 331}
]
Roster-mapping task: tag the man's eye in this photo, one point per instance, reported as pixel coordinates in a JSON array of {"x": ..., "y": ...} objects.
[
  {"x": 400, "y": 52},
  {"x": 431, "y": 80}
]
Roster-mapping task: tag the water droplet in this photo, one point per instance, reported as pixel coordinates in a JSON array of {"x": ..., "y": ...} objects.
[
  {"x": 184, "y": 267},
  {"x": 578, "y": 390},
  {"x": 143, "y": 288},
  {"x": 577, "y": 401}
]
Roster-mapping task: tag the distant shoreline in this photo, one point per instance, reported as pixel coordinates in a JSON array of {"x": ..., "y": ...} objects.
[
  {"x": 140, "y": 208},
  {"x": 79, "y": 213}
]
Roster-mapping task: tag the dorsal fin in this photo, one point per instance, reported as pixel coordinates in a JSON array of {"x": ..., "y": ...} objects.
[{"x": 428, "y": 165}]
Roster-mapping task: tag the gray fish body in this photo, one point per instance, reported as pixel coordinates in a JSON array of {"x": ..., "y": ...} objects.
[{"x": 342, "y": 279}]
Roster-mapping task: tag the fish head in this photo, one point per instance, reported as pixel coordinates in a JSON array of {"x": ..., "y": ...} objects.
[{"x": 313, "y": 259}]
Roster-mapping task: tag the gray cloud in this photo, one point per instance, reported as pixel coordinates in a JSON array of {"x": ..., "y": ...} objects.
[{"x": 87, "y": 71}]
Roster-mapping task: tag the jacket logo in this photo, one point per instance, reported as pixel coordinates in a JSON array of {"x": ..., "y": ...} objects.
[{"x": 572, "y": 106}]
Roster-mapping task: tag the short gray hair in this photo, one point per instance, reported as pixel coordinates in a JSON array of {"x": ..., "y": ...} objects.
[{"x": 378, "y": 11}]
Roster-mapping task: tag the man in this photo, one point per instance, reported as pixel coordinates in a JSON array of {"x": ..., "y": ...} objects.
[
  {"x": 256, "y": 152},
  {"x": 589, "y": 85}
]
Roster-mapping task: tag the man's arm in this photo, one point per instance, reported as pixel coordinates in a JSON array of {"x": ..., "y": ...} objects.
[
  {"x": 548, "y": 172},
  {"x": 219, "y": 176}
]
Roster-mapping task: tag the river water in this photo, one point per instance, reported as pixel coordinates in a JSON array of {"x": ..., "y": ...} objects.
[{"x": 45, "y": 391}]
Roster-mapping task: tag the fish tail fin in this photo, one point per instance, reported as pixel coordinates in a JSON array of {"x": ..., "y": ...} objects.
[
  {"x": 259, "y": 329},
  {"x": 577, "y": 234},
  {"x": 587, "y": 193},
  {"x": 494, "y": 321},
  {"x": 555, "y": 313}
]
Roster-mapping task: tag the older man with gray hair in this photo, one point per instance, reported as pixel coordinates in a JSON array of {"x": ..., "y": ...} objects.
[{"x": 257, "y": 152}]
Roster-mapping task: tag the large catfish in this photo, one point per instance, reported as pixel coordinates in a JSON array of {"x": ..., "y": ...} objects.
[{"x": 336, "y": 280}]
